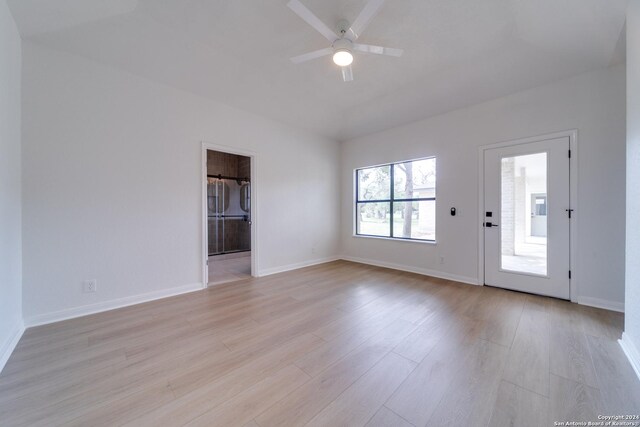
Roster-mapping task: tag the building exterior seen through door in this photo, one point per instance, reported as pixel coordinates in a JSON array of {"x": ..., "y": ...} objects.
[{"x": 527, "y": 217}]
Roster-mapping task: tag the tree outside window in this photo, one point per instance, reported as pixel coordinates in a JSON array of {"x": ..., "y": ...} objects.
[{"x": 397, "y": 200}]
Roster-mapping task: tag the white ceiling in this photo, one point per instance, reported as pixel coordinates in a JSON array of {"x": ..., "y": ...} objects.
[{"x": 457, "y": 52}]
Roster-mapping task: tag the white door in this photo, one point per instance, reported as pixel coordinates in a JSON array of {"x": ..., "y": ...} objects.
[{"x": 527, "y": 246}]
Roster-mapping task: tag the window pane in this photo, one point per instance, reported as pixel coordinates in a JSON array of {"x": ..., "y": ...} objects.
[
  {"x": 374, "y": 183},
  {"x": 416, "y": 179},
  {"x": 415, "y": 220},
  {"x": 524, "y": 214},
  {"x": 373, "y": 219}
]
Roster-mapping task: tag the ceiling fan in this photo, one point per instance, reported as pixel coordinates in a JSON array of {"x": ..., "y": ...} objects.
[{"x": 343, "y": 44}]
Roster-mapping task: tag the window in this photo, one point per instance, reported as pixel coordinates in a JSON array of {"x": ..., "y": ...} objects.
[{"x": 397, "y": 200}]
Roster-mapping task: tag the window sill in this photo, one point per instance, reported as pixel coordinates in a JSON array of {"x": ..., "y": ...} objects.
[{"x": 394, "y": 239}]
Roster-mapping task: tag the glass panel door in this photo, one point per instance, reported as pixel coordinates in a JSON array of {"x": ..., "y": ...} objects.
[
  {"x": 229, "y": 215},
  {"x": 526, "y": 222}
]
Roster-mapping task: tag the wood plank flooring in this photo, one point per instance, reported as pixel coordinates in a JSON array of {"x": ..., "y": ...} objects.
[{"x": 339, "y": 344}]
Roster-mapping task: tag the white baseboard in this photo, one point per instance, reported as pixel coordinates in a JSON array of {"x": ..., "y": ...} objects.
[
  {"x": 289, "y": 267},
  {"x": 631, "y": 351},
  {"x": 411, "y": 269},
  {"x": 10, "y": 343},
  {"x": 70, "y": 313},
  {"x": 602, "y": 303}
]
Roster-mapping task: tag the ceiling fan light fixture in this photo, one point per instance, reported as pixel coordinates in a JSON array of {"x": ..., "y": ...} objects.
[
  {"x": 342, "y": 38},
  {"x": 343, "y": 57}
]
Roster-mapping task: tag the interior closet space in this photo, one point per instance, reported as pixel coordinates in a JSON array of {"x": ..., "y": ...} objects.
[{"x": 228, "y": 216}]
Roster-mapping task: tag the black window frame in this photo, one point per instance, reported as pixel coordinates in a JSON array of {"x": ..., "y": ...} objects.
[{"x": 392, "y": 199}]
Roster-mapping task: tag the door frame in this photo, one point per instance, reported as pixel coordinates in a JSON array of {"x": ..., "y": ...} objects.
[
  {"x": 572, "y": 134},
  {"x": 254, "y": 206}
]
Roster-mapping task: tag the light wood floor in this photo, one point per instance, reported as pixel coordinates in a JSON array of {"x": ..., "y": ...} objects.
[
  {"x": 340, "y": 344},
  {"x": 229, "y": 267}
]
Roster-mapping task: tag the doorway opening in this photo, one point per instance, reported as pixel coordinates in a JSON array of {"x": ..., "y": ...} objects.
[{"x": 228, "y": 201}]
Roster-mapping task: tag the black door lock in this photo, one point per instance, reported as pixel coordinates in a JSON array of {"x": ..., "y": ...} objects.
[{"x": 490, "y": 224}]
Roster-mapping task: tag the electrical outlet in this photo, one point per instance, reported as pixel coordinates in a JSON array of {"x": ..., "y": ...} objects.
[
  {"x": 89, "y": 286},
  {"x": 313, "y": 250},
  {"x": 441, "y": 260}
]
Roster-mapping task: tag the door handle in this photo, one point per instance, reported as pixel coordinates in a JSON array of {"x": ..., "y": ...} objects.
[{"x": 490, "y": 224}]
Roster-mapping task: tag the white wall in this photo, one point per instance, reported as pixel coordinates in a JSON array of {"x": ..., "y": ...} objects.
[
  {"x": 631, "y": 336},
  {"x": 10, "y": 194},
  {"x": 112, "y": 185},
  {"x": 593, "y": 103}
]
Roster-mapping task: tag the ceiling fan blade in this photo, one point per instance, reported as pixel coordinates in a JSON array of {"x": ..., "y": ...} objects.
[
  {"x": 377, "y": 50},
  {"x": 362, "y": 21},
  {"x": 312, "y": 20},
  {"x": 312, "y": 55},
  {"x": 347, "y": 73}
]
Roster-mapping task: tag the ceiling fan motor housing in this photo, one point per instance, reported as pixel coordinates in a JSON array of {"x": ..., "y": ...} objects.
[{"x": 343, "y": 44}]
